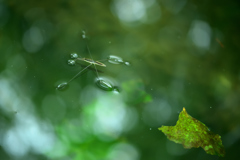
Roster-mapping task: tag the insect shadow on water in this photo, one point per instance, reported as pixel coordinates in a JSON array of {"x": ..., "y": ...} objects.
[{"x": 100, "y": 82}]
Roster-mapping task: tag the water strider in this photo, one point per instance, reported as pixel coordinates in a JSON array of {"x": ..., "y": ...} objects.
[{"x": 100, "y": 82}]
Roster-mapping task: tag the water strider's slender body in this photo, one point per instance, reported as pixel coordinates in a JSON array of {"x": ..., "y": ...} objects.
[{"x": 88, "y": 60}]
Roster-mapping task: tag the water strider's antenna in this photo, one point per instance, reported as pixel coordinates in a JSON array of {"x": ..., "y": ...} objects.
[{"x": 84, "y": 37}]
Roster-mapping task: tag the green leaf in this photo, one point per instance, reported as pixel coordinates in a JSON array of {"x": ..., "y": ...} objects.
[{"x": 192, "y": 133}]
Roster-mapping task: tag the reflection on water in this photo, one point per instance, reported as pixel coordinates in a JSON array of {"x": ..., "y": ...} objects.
[
  {"x": 157, "y": 112},
  {"x": 181, "y": 54},
  {"x": 33, "y": 40},
  {"x": 26, "y": 132},
  {"x": 123, "y": 151},
  {"x": 200, "y": 34},
  {"x": 135, "y": 12}
]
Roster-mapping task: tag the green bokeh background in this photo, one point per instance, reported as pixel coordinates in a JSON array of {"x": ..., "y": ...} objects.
[{"x": 182, "y": 54}]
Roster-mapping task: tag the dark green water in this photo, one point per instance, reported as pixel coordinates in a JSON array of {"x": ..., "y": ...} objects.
[{"x": 181, "y": 54}]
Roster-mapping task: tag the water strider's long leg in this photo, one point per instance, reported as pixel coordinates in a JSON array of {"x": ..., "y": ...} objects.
[
  {"x": 84, "y": 37},
  {"x": 78, "y": 73}
]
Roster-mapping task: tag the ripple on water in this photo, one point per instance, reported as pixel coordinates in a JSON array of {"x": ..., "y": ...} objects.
[
  {"x": 117, "y": 60},
  {"x": 71, "y": 62},
  {"x": 106, "y": 85},
  {"x": 62, "y": 86},
  {"x": 74, "y": 55}
]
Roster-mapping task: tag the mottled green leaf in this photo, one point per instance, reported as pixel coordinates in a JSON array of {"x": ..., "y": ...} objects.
[{"x": 192, "y": 133}]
